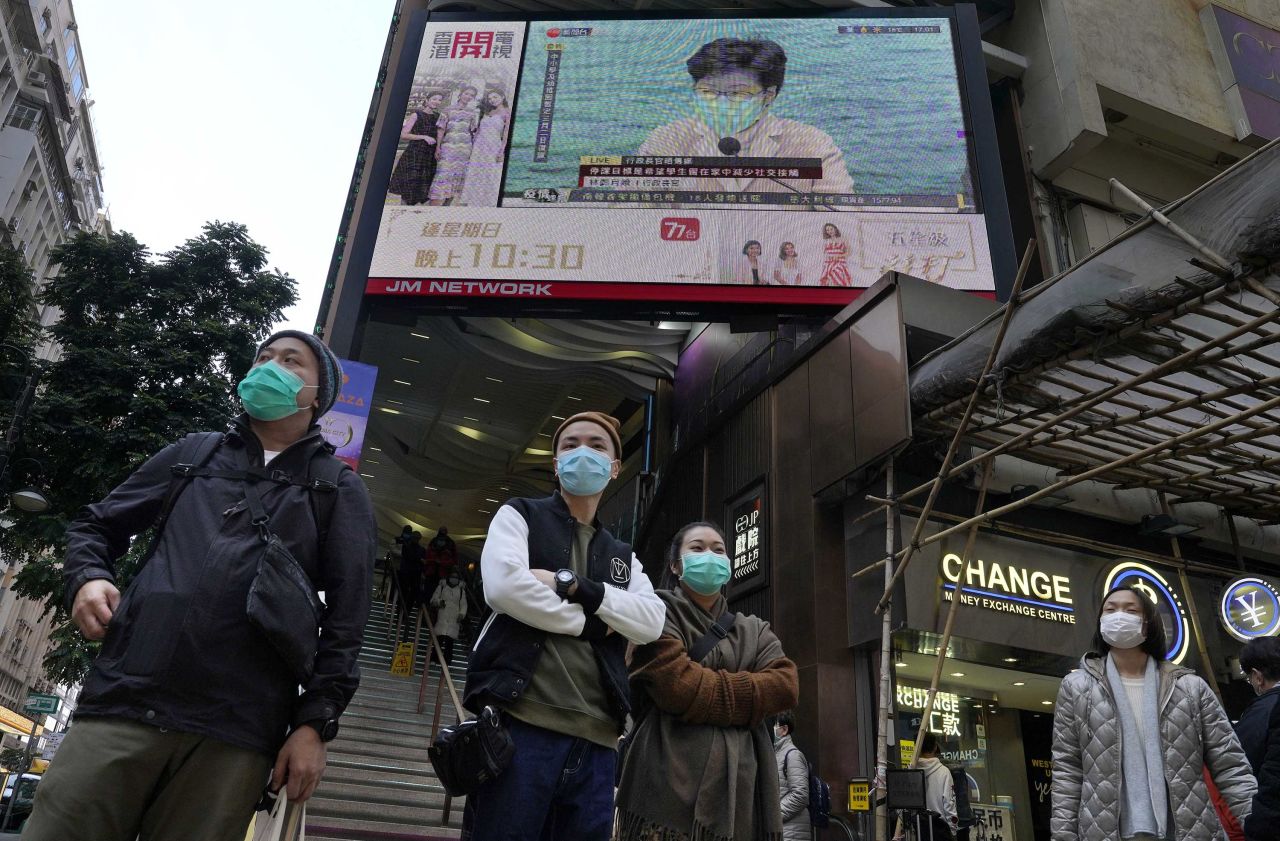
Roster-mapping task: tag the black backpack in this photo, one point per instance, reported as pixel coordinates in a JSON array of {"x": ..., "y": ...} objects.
[
  {"x": 323, "y": 473},
  {"x": 819, "y": 795}
]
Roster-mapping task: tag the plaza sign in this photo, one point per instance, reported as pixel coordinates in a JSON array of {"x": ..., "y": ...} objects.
[
  {"x": 1250, "y": 609},
  {"x": 1009, "y": 588}
]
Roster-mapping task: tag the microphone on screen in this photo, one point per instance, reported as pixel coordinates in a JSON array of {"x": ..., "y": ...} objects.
[{"x": 729, "y": 146}]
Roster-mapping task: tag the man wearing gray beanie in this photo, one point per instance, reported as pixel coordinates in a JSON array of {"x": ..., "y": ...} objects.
[{"x": 221, "y": 673}]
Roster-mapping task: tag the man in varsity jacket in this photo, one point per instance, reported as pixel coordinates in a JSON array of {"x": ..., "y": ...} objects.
[{"x": 567, "y": 597}]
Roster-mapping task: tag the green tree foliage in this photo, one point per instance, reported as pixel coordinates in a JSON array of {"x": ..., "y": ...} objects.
[
  {"x": 18, "y": 325},
  {"x": 150, "y": 350}
]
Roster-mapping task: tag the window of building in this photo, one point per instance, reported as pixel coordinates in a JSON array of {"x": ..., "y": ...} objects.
[
  {"x": 23, "y": 116},
  {"x": 77, "y": 85},
  {"x": 44, "y": 22},
  {"x": 69, "y": 38}
]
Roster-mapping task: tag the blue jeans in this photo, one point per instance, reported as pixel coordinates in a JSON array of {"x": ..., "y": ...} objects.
[{"x": 557, "y": 788}]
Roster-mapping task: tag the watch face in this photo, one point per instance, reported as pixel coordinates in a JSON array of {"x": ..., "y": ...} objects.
[{"x": 564, "y": 576}]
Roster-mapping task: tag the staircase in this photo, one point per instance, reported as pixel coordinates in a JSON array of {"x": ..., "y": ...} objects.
[{"x": 379, "y": 784}]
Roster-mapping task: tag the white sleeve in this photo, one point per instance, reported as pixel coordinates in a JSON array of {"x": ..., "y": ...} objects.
[
  {"x": 509, "y": 586},
  {"x": 636, "y": 612}
]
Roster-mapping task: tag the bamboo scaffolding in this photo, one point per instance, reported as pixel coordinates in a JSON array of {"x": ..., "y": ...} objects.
[{"x": 886, "y": 646}]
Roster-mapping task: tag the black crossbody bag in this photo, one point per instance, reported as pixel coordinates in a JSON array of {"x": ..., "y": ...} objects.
[{"x": 282, "y": 602}]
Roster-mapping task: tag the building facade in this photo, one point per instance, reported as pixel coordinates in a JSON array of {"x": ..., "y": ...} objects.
[{"x": 50, "y": 190}]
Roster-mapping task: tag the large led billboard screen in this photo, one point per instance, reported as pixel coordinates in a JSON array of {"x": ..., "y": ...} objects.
[{"x": 750, "y": 160}]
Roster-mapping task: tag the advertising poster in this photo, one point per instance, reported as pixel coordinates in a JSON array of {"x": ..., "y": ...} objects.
[
  {"x": 750, "y": 160},
  {"x": 343, "y": 426}
]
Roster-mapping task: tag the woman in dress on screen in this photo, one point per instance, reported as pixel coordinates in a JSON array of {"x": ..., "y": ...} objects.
[
  {"x": 749, "y": 268},
  {"x": 455, "y": 131},
  {"x": 787, "y": 272},
  {"x": 416, "y": 169},
  {"x": 484, "y": 172},
  {"x": 835, "y": 250}
]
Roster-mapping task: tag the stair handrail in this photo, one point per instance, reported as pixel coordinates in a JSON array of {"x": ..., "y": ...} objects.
[{"x": 445, "y": 676}]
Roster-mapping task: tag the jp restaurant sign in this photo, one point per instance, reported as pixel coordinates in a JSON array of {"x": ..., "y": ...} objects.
[
  {"x": 1250, "y": 609},
  {"x": 1009, "y": 588},
  {"x": 1169, "y": 604},
  {"x": 748, "y": 540}
]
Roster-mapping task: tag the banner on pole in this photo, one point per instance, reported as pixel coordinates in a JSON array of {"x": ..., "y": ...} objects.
[{"x": 343, "y": 426}]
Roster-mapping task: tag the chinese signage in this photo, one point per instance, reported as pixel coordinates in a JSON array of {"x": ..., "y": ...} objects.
[
  {"x": 748, "y": 536},
  {"x": 1009, "y": 588},
  {"x": 860, "y": 795},
  {"x": 1247, "y": 56},
  {"x": 944, "y": 718},
  {"x": 995, "y": 823},
  {"x": 344, "y": 425},
  {"x": 1250, "y": 609},
  {"x": 1169, "y": 606}
]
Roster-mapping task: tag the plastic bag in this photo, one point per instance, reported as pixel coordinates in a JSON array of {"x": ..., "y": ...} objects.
[{"x": 283, "y": 822}]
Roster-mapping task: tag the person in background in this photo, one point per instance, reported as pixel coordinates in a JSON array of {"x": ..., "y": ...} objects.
[
  {"x": 416, "y": 167},
  {"x": 1259, "y": 732},
  {"x": 700, "y": 729},
  {"x": 450, "y": 603},
  {"x": 787, "y": 270},
  {"x": 410, "y": 580},
  {"x": 442, "y": 558},
  {"x": 567, "y": 597},
  {"x": 455, "y": 133},
  {"x": 939, "y": 790},
  {"x": 1132, "y": 735},
  {"x": 749, "y": 268},
  {"x": 793, "y": 780}
]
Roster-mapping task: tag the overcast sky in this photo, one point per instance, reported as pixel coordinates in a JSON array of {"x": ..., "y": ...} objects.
[{"x": 236, "y": 111}]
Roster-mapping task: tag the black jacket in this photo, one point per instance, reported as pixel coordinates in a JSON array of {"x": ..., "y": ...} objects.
[
  {"x": 538, "y": 534},
  {"x": 1259, "y": 732},
  {"x": 180, "y": 652}
]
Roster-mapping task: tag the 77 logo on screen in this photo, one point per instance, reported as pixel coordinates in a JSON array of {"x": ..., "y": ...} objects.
[{"x": 677, "y": 229}]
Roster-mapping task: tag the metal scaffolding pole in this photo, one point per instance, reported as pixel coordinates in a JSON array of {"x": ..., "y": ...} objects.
[{"x": 886, "y": 646}]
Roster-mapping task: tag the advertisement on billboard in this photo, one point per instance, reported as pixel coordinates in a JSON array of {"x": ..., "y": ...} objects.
[
  {"x": 343, "y": 426},
  {"x": 752, "y": 160}
]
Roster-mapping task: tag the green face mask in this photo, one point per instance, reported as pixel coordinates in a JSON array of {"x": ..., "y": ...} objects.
[
  {"x": 705, "y": 572},
  {"x": 269, "y": 392},
  {"x": 727, "y": 117}
]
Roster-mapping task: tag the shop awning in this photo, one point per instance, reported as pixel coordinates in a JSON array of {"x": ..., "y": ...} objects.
[{"x": 1151, "y": 364}]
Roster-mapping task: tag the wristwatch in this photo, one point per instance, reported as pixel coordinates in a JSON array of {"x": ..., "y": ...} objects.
[
  {"x": 326, "y": 727},
  {"x": 565, "y": 578}
]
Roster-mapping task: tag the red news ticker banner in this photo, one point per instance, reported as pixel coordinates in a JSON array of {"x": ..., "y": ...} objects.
[{"x": 593, "y": 291}]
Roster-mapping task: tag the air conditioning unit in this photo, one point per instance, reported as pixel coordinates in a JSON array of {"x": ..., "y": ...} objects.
[{"x": 37, "y": 79}]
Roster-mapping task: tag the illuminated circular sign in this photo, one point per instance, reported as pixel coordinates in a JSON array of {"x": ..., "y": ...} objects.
[
  {"x": 1250, "y": 609},
  {"x": 1168, "y": 603}
]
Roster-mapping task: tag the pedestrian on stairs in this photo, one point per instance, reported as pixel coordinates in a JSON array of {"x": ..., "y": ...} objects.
[
  {"x": 450, "y": 603},
  {"x": 567, "y": 598},
  {"x": 410, "y": 581},
  {"x": 190, "y": 708}
]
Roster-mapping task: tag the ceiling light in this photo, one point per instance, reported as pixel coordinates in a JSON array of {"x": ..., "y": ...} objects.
[
  {"x": 504, "y": 489},
  {"x": 368, "y": 475},
  {"x": 900, "y": 665},
  {"x": 388, "y": 411},
  {"x": 481, "y": 400},
  {"x": 1011, "y": 659},
  {"x": 493, "y": 379},
  {"x": 468, "y": 417},
  {"x": 429, "y": 488},
  {"x": 414, "y": 361},
  {"x": 1165, "y": 524},
  {"x": 420, "y": 499},
  {"x": 397, "y": 402},
  {"x": 1047, "y": 703},
  {"x": 1019, "y": 683},
  {"x": 376, "y": 449},
  {"x": 484, "y": 511},
  {"x": 1019, "y": 492},
  {"x": 556, "y": 417},
  {"x": 494, "y": 501},
  {"x": 957, "y": 674},
  {"x": 419, "y": 335},
  {"x": 401, "y": 382},
  {"x": 371, "y": 461},
  {"x": 544, "y": 434},
  {"x": 571, "y": 397}
]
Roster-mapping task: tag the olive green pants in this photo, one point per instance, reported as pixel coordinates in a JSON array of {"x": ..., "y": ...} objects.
[{"x": 117, "y": 780}]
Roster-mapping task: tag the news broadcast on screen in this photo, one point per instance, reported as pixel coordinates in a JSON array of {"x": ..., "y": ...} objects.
[{"x": 754, "y": 160}]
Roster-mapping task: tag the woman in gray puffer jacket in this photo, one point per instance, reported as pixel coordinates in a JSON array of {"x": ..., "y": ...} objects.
[{"x": 1132, "y": 736}]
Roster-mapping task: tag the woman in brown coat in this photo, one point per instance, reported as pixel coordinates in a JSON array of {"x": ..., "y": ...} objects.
[{"x": 699, "y": 763}]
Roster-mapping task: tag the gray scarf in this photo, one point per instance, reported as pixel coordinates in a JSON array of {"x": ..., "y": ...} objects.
[{"x": 1144, "y": 794}]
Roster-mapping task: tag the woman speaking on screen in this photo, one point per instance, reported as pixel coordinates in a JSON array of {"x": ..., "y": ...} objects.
[
  {"x": 1133, "y": 735},
  {"x": 735, "y": 83}
]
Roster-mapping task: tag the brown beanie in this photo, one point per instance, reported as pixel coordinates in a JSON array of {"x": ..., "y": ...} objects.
[{"x": 608, "y": 423}]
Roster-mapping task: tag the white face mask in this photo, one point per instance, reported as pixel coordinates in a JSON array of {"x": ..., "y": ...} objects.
[{"x": 1122, "y": 630}]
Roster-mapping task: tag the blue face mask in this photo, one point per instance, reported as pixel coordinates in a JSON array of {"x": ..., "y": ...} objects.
[
  {"x": 705, "y": 572},
  {"x": 269, "y": 392},
  {"x": 584, "y": 471}
]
